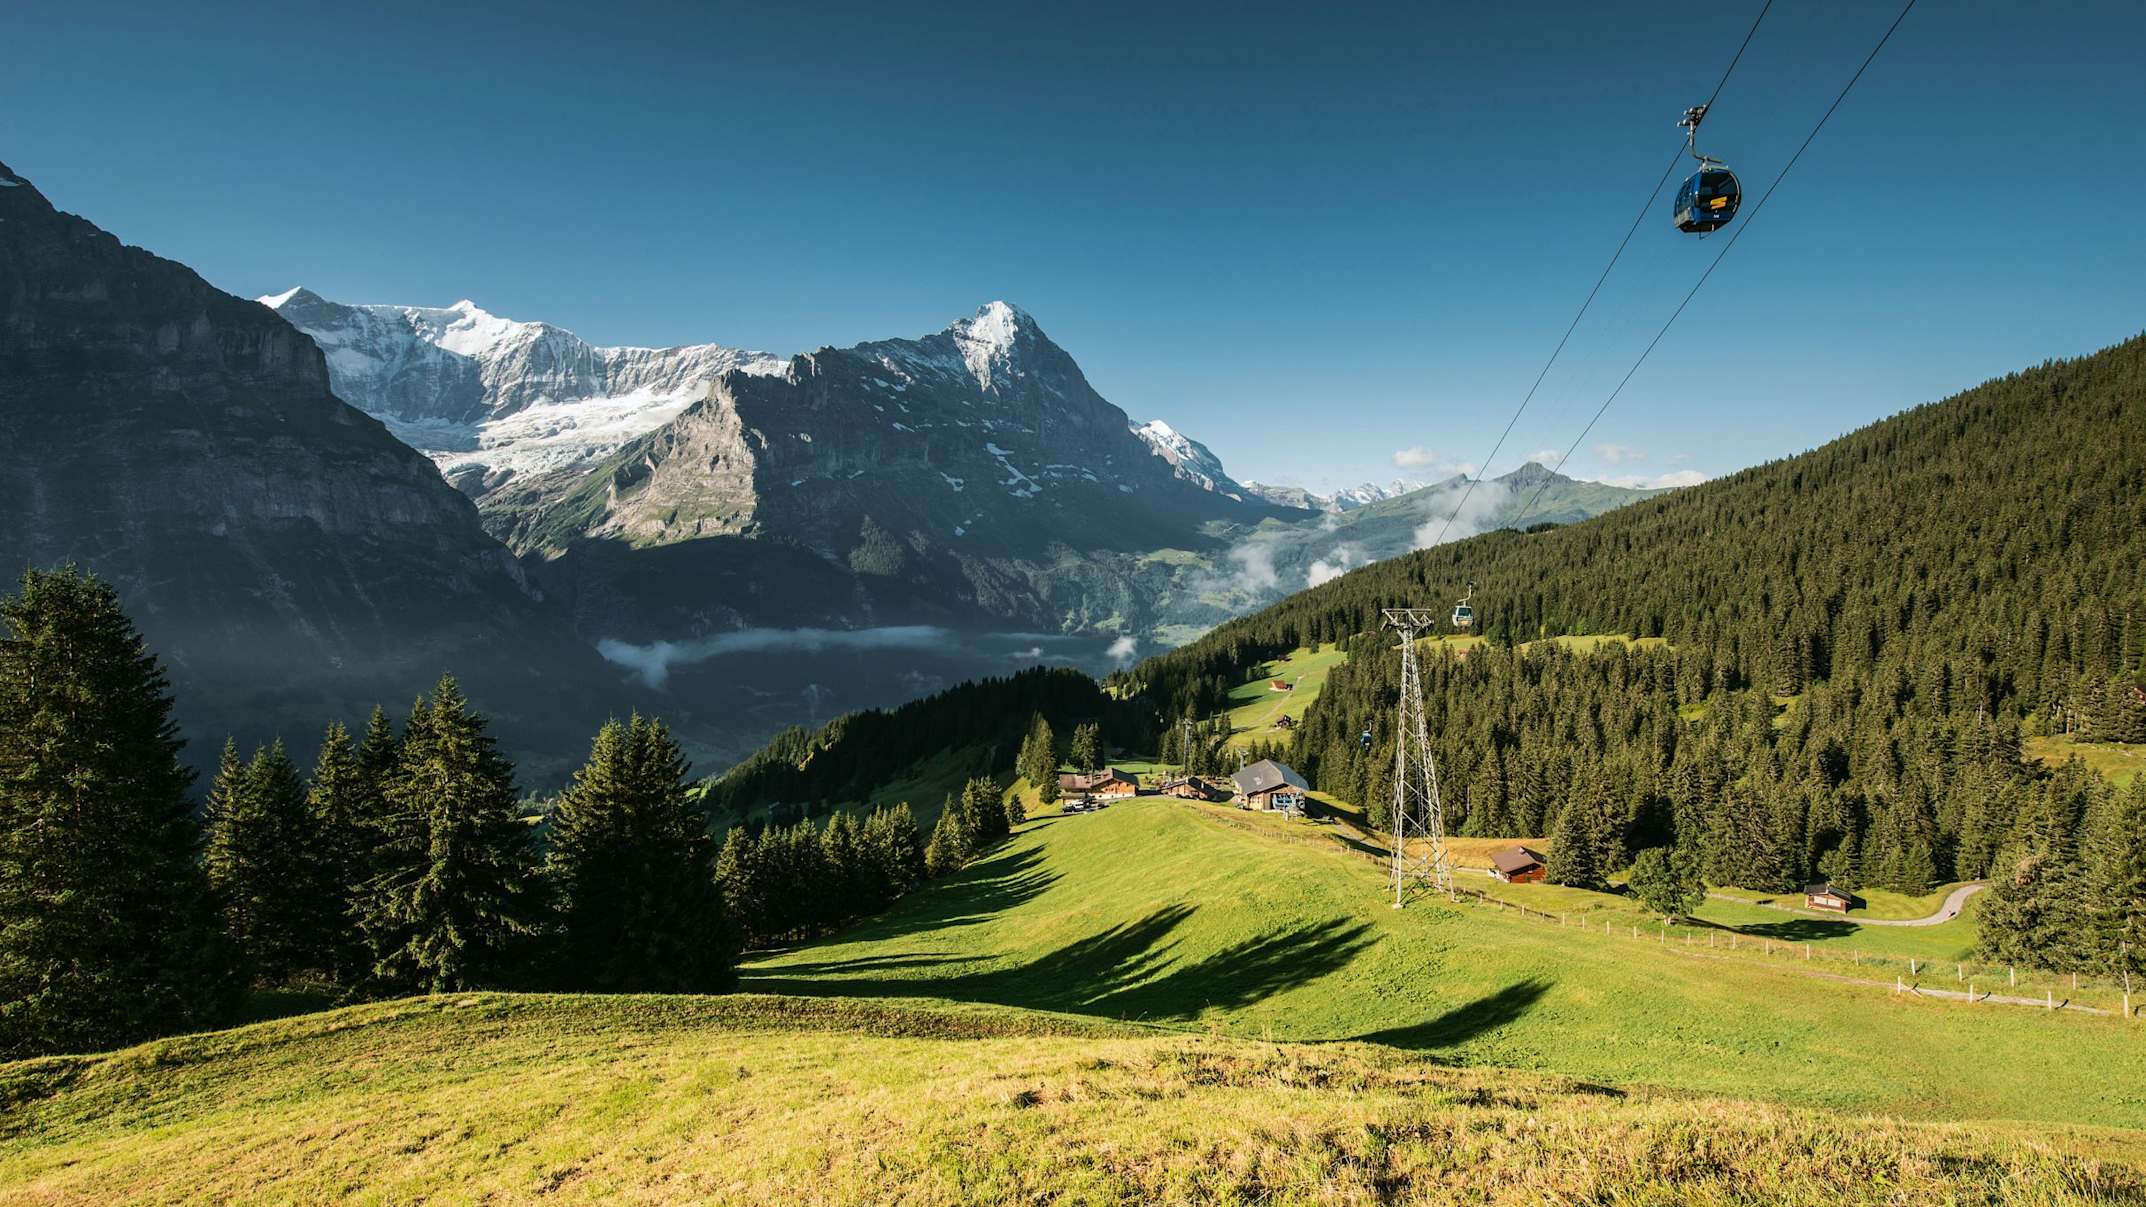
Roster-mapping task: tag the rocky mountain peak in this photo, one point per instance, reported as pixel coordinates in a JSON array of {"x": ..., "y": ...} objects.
[{"x": 992, "y": 341}]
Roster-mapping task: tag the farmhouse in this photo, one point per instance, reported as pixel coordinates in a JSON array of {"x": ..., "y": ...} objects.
[
  {"x": 1189, "y": 787},
  {"x": 1281, "y": 685},
  {"x": 1826, "y": 897},
  {"x": 1286, "y": 722},
  {"x": 1267, "y": 784},
  {"x": 1108, "y": 782},
  {"x": 1517, "y": 865}
]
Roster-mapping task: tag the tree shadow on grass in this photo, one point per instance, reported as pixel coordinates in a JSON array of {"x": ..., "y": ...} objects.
[
  {"x": 978, "y": 893},
  {"x": 1242, "y": 973},
  {"x": 1463, "y": 1023},
  {"x": 1123, "y": 971},
  {"x": 1797, "y": 930},
  {"x": 1066, "y": 978}
]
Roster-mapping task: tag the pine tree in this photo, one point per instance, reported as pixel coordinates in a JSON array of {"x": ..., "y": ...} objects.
[
  {"x": 107, "y": 934},
  {"x": 338, "y": 797},
  {"x": 1578, "y": 847},
  {"x": 633, "y": 868},
  {"x": 1038, "y": 763},
  {"x": 891, "y": 836},
  {"x": 460, "y": 911},
  {"x": 1087, "y": 752},
  {"x": 2121, "y": 888},
  {"x": 984, "y": 813},
  {"x": 948, "y": 851},
  {"x": 265, "y": 867},
  {"x": 740, "y": 874}
]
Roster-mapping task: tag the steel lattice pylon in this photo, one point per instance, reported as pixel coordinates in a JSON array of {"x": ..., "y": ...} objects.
[{"x": 1418, "y": 814}]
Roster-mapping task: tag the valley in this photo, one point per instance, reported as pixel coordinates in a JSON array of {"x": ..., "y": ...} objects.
[{"x": 780, "y": 722}]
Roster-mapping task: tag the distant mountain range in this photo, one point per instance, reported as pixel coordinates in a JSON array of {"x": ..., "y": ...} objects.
[
  {"x": 289, "y": 560},
  {"x": 971, "y": 477},
  {"x": 826, "y": 531}
]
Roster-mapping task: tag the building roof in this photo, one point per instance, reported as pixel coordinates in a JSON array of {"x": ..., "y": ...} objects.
[
  {"x": 1084, "y": 780},
  {"x": 1515, "y": 859},
  {"x": 1265, "y": 776},
  {"x": 1825, "y": 890}
]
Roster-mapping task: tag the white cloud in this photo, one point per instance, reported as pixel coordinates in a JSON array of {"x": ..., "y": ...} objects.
[
  {"x": 1414, "y": 457},
  {"x": 1255, "y": 564},
  {"x": 1476, "y": 508},
  {"x": 1121, "y": 650},
  {"x": 1675, "y": 477},
  {"x": 1619, "y": 454},
  {"x": 1545, "y": 456},
  {"x": 1334, "y": 565},
  {"x": 654, "y": 662}
]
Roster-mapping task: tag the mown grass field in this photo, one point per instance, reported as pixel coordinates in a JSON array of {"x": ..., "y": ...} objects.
[
  {"x": 2118, "y": 762},
  {"x": 1255, "y": 707},
  {"x": 753, "y": 1100},
  {"x": 1214, "y": 920}
]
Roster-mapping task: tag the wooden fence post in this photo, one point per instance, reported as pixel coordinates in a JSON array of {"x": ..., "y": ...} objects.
[{"x": 2012, "y": 975}]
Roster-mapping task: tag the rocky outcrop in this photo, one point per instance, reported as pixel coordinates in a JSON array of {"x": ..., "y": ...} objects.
[{"x": 290, "y": 560}]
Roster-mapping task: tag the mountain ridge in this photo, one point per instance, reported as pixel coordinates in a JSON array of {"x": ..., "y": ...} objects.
[{"x": 289, "y": 560}]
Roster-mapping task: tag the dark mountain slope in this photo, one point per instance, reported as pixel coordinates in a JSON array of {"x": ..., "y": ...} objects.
[
  {"x": 2001, "y": 532},
  {"x": 1862, "y": 640},
  {"x": 288, "y": 559}
]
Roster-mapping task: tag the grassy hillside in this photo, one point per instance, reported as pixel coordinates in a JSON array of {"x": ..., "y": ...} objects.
[
  {"x": 765, "y": 1100},
  {"x": 1245, "y": 925}
]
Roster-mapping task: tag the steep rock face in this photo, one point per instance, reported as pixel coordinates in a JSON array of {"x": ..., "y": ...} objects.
[
  {"x": 491, "y": 397},
  {"x": 1191, "y": 460},
  {"x": 288, "y": 558},
  {"x": 972, "y": 474}
]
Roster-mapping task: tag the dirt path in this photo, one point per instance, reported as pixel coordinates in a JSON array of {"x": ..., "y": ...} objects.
[{"x": 1954, "y": 902}]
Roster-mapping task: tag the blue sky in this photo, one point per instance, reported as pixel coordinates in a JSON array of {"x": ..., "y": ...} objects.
[{"x": 1312, "y": 240}]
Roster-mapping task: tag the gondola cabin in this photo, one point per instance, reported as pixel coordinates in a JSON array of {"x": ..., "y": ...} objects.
[
  {"x": 1708, "y": 200},
  {"x": 1463, "y": 616}
]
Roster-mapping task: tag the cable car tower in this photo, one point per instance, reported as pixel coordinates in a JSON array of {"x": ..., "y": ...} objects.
[{"x": 1418, "y": 815}]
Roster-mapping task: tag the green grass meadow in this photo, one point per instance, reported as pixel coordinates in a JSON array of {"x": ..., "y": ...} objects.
[{"x": 1213, "y": 920}]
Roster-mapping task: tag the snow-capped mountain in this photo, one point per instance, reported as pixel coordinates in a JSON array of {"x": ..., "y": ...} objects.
[
  {"x": 1348, "y": 499},
  {"x": 489, "y": 397},
  {"x": 1190, "y": 459}
]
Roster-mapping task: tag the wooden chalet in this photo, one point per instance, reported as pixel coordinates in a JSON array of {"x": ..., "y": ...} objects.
[
  {"x": 1286, "y": 723},
  {"x": 1826, "y": 897},
  {"x": 1280, "y": 685},
  {"x": 1190, "y": 787},
  {"x": 1108, "y": 782},
  {"x": 1267, "y": 784},
  {"x": 1518, "y": 865}
]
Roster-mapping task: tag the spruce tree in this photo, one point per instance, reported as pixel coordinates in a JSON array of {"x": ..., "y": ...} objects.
[
  {"x": 892, "y": 836},
  {"x": 984, "y": 812},
  {"x": 107, "y": 933},
  {"x": 948, "y": 851},
  {"x": 2121, "y": 885},
  {"x": 1578, "y": 847},
  {"x": 454, "y": 915},
  {"x": 265, "y": 867},
  {"x": 338, "y": 796},
  {"x": 740, "y": 874},
  {"x": 633, "y": 867},
  {"x": 1087, "y": 752},
  {"x": 1038, "y": 762}
]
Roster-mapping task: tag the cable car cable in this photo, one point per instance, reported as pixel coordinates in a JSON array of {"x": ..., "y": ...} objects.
[
  {"x": 1644, "y": 209},
  {"x": 1738, "y": 234}
]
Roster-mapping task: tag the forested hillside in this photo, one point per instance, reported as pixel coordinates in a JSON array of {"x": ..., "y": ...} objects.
[{"x": 1857, "y": 640}]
